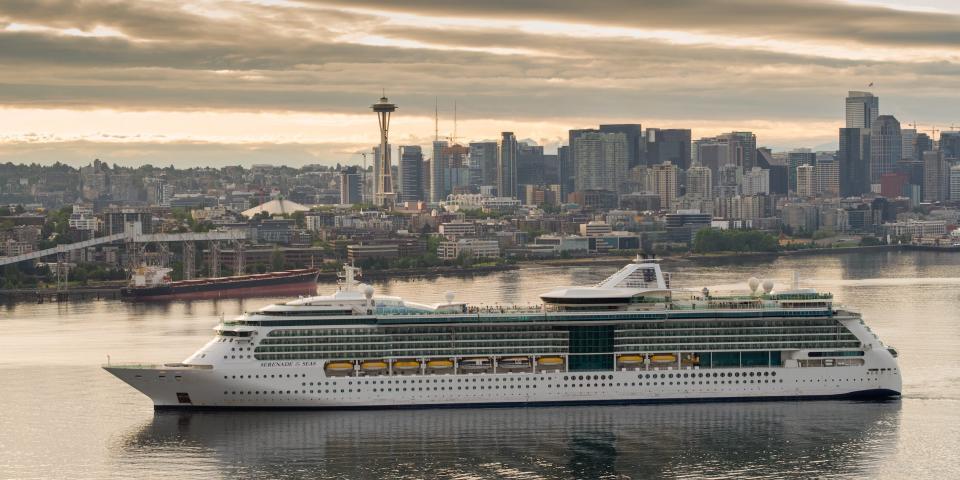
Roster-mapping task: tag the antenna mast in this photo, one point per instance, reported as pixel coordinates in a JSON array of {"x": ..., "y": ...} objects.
[
  {"x": 453, "y": 140},
  {"x": 436, "y": 119}
]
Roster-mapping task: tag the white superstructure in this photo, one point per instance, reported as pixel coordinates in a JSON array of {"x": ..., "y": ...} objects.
[{"x": 629, "y": 339}]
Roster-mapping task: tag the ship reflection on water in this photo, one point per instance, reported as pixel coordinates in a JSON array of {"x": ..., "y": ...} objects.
[{"x": 722, "y": 440}]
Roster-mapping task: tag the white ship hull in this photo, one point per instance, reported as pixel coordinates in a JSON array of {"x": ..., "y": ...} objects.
[{"x": 310, "y": 388}]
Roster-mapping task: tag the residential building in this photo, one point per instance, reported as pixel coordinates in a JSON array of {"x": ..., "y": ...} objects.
[
  {"x": 827, "y": 172},
  {"x": 438, "y": 173},
  {"x": 507, "y": 166},
  {"x": 806, "y": 181},
  {"x": 633, "y": 133},
  {"x": 601, "y": 160},
  {"x": 411, "y": 174},
  {"x": 756, "y": 181},
  {"x": 665, "y": 183},
  {"x": 699, "y": 182}
]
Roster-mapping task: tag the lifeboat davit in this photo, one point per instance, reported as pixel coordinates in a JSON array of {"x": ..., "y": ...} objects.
[
  {"x": 406, "y": 365},
  {"x": 630, "y": 359},
  {"x": 373, "y": 366},
  {"x": 441, "y": 364},
  {"x": 514, "y": 363},
  {"x": 550, "y": 361},
  {"x": 663, "y": 358},
  {"x": 339, "y": 367},
  {"x": 475, "y": 364}
]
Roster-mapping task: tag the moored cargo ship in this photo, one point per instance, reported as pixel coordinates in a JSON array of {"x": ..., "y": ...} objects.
[{"x": 153, "y": 283}]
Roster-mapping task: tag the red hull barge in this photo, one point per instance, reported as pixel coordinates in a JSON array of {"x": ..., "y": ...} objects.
[{"x": 290, "y": 282}]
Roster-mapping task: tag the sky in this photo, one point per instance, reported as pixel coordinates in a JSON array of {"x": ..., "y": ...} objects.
[{"x": 228, "y": 82}]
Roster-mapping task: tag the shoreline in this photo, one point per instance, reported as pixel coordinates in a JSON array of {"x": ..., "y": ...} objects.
[{"x": 113, "y": 290}]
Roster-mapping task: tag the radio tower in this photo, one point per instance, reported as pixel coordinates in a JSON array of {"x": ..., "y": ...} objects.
[{"x": 384, "y": 194}]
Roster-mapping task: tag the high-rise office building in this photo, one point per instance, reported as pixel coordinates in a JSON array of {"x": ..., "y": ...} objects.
[
  {"x": 633, "y": 132},
  {"x": 411, "y": 174},
  {"x": 806, "y": 181},
  {"x": 351, "y": 186},
  {"x": 438, "y": 173},
  {"x": 949, "y": 145},
  {"x": 507, "y": 166},
  {"x": 796, "y": 158},
  {"x": 601, "y": 160},
  {"x": 699, "y": 182},
  {"x": 665, "y": 184},
  {"x": 530, "y": 164},
  {"x": 936, "y": 176},
  {"x": 885, "y": 146},
  {"x": 666, "y": 145},
  {"x": 743, "y": 149},
  {"x": 923, "y": 143},
  {"x": 955, "y": 183},
  {"x": 854, "y": 161},
  {"x": 483, "y": 163},
  {"x": 908, "y": 138},
  {"x": 862, "y": 109}
]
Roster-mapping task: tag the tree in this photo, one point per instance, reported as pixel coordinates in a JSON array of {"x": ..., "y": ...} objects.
[{"x": 276, "y": 259}]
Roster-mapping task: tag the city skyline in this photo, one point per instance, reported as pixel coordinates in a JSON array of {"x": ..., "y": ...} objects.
[{"x": 180, "y": 84}]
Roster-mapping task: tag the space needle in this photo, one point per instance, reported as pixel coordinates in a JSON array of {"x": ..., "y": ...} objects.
[{"x": 384, "y": 194}]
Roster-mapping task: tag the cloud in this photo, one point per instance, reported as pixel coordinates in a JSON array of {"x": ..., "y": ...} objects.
[{"x": 516, "y": 64}]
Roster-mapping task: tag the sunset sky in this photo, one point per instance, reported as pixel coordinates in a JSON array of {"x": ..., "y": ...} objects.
[{"x": 225, "y": 82}]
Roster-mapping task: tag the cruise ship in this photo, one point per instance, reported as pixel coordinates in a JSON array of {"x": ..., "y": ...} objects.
[{"x": 629, "y": 339}]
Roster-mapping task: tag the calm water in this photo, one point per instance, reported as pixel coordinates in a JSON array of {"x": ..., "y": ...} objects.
[{"x": 63, "y": 417}]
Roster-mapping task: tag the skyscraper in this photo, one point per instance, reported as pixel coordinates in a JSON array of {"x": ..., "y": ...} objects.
[
  {"x": 566, "y": 172},
  {"x": 806, "y": 180},
  {"x": 699, "y": 182},
  {"x": 666, "y": 145},
  {"x": 665, "y": 183},
  {"x": 955, "y": 183},
  {"x": 743, "y": 149},
  {"x": 796, "y": 158},
  {"x": 483, "y": 163},
  {"x": 908, "y": 138},
  {"x": 507, "y": 166},
  {"x": 438, "y": 173},
  {"x": 634, "y": 133},
  {"x": 530, "y": 164},
  {"x": 936, "y": 176},
  {"x": 950, "y": 145},
  {"x": 862, "y": 109},
  {"x": 827, "y": 173},
  {"x": 351, "y": 188},
  {"x": 756, "y": 182},
  {"x": 411, "y": 173},
  {"x": 854, "y": 161},
  {"x": 601, "y": 160},
  {"x": 885, "y": 146}
]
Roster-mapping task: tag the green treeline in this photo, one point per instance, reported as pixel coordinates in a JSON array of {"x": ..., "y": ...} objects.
[{"x": 712, "y": 240}]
